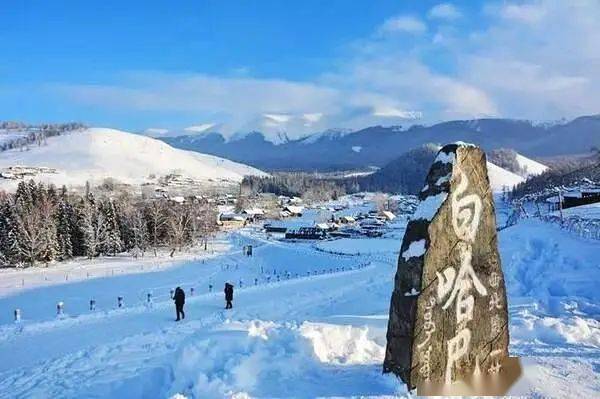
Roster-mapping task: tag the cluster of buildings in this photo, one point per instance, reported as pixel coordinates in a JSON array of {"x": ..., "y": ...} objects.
[
  {"x": 286, "y": 208},
  {"x": 584, "y": 194},
  {"x": 371, "y": 224},
  {"x": 22, "y": 172}
]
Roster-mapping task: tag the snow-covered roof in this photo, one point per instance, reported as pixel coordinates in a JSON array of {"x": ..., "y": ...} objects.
[
  {"x": 389, "y": 215},
  {"x": 254, "y": 211},
  {"x": 294, "y": 209}
]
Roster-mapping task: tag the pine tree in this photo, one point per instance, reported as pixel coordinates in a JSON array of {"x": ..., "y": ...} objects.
[
  {"x": 93, "y": 227},
  {"x": 9, "y": 255},
  {"x": 64, "y": 233},
  {"x": 112, "y": 243},
  {"x": 77, "y": 229}
]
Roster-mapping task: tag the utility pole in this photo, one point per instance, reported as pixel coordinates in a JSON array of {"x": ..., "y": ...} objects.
[{"x": 560, "y": 205}]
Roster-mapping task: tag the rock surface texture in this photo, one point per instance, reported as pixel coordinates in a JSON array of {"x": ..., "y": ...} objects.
[{"x": 448, "y": 312}]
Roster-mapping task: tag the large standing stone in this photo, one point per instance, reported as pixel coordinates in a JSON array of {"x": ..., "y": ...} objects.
[{"x": 448, "y": 312}]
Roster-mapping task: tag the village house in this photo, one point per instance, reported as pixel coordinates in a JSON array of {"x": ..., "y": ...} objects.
[
  {"x": 347, "y": 219},
  {"x": 387, "y": 215},
  {"x": 573, "y": 197},
  {"x": 231, "y": 221},
  {"x": 292, "y": 210},
  {"x": 177, "y": 199},
  {"x": 254, "y": 214}
]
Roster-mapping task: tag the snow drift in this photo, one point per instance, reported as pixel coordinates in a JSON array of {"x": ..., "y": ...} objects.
[{"x": 98, "y": 153}]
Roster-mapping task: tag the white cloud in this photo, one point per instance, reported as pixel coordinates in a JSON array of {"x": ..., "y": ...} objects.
[
  {"x": 537, "y": 60},
  {"x": 277, "y": 118},
  {"x": 155, "y": 132},
  {"x": 529, "y": 13},
  {"x": 445, "y": 11},
  {"x": 391, "y": 112},
  {"x": 199, "y": 128},
  {"x": 403, "y": 23},
  {"x": 312, "y": 117}
]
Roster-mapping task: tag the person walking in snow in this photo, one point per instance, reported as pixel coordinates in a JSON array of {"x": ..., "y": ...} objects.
[
  {"x": 179, "y": 298},
  {"x": 228, "y": 295}
]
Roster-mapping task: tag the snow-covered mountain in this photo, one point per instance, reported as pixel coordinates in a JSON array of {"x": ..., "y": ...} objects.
[
  {"x": 381, "y": 144},
  {"x": 98, "y": 153},
  {"x": 406, "y": 174},
  {"x": 330, "y": 134}
]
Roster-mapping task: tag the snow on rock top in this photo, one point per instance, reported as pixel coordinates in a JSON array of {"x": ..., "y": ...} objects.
[
  {"x": 98, "y": 153},
  {"x": 429, "y": 206},
  {"x": 444, "y": 157},
  {"x": 415, "y": 249}
]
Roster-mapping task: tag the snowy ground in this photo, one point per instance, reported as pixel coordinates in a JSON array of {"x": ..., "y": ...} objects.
[
  {"x": 317, "y": 332},
  {"x": 14, "y": 280}
]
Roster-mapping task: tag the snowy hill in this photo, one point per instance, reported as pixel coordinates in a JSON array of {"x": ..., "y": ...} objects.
[
  {"x": 531, "y": 167},
  {"x": 500, "y": 177},
  {"x": 98, "y": 153}
]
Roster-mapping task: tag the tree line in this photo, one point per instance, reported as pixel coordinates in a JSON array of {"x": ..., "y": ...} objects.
[
  {"x": 33, "y": 134},
  {"x": 294, "y": 185},
  {"x": 40, "y": 224}
]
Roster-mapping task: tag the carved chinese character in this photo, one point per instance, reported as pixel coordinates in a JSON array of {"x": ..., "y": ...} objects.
[
  {"x": 462, "y": 281},
  {"x": 457, "y": 348},
  {"x": 495, "y": 301},
  {"x": 466, "y": 211},
  {"x": 494, "y": 280}
]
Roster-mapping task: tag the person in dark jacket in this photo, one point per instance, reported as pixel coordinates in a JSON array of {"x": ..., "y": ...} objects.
[
  {"x": 179, "y": 298},
  {"x": 228, "y": 295}
]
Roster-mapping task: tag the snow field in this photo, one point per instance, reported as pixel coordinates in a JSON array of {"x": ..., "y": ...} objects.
[{"x": 317, "y": 336}]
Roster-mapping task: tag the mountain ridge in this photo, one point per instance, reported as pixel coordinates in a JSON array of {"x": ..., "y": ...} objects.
[{"x": 379, "y": 144}]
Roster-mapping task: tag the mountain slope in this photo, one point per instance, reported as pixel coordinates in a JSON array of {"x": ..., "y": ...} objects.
[
  {"x": 98, "y": 153},
  {"x": 502, "y": 178},
  {"x": 407, "y": 173},
  {"x": 378, "y": 145},
  {"x": 531, "y": 167}
]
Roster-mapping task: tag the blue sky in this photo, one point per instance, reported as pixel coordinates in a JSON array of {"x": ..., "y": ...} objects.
[{"x": 295, "y": 66}]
